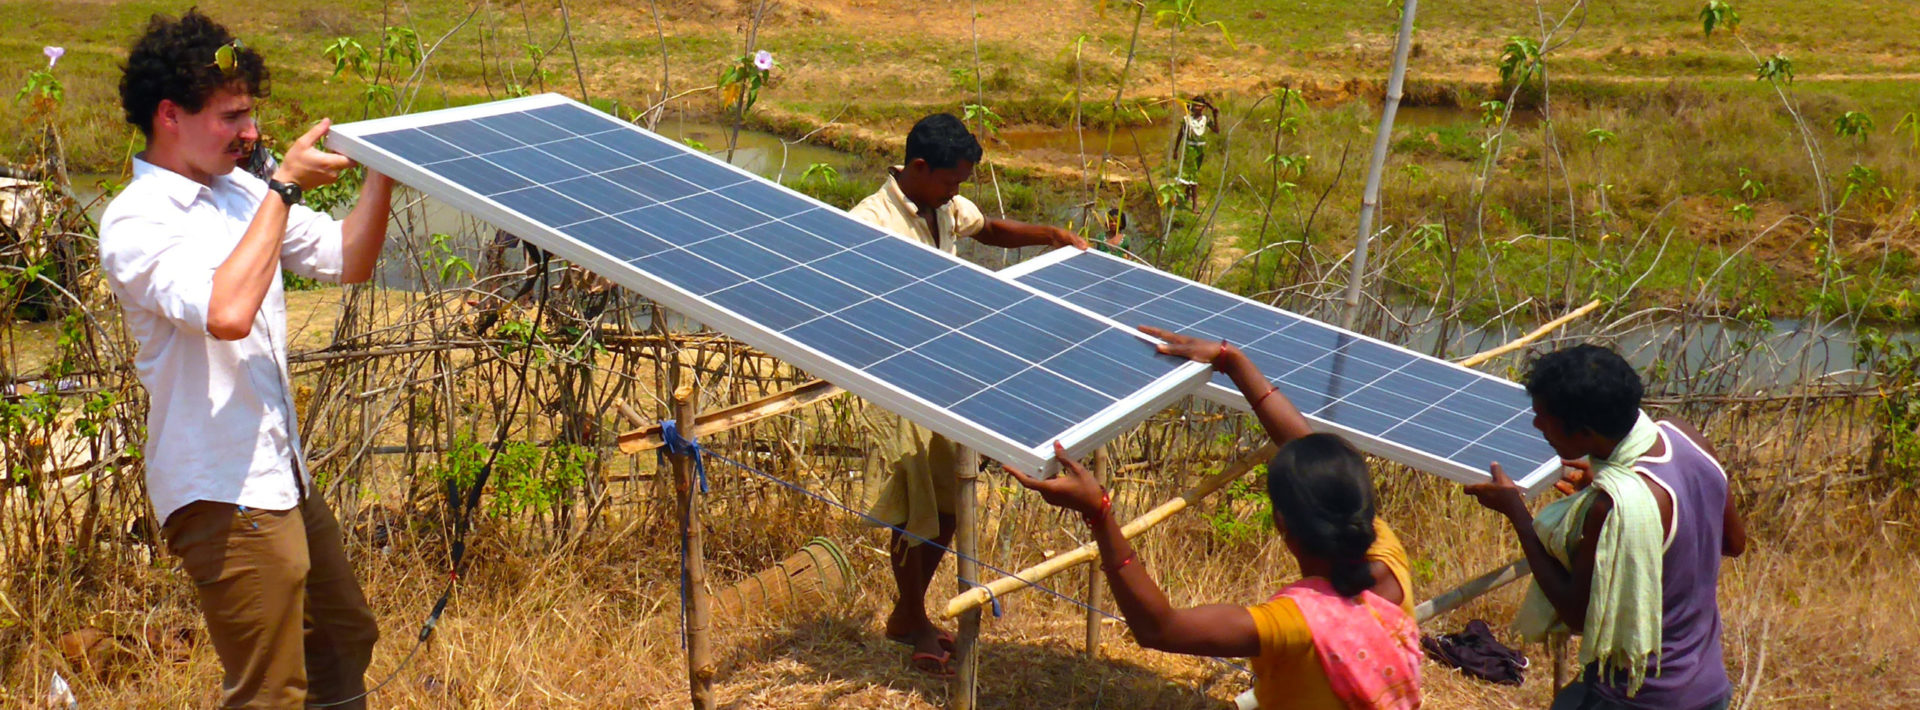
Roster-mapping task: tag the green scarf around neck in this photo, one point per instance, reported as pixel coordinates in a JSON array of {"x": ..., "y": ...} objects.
[{"x": 1624, "y": 614}]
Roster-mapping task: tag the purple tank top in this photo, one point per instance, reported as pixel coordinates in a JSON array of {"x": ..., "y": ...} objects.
[{"x": 1690, "y": 672}]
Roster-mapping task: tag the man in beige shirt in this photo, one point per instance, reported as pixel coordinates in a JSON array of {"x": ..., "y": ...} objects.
[{"x": 921, "y": 201}]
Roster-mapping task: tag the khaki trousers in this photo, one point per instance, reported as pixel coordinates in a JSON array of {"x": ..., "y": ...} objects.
[{"x": 286, "y": 616}]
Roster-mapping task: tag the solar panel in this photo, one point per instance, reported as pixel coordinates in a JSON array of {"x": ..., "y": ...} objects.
[
  {"x": 989, "y": 363},
  {"x": 1391, "y": 402}
]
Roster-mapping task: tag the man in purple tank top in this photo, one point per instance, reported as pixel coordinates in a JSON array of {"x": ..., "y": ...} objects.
[{"x": 1585, "y": 401}]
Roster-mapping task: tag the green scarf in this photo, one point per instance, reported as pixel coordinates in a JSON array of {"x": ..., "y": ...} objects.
[{"x": 1624, "y": 613}]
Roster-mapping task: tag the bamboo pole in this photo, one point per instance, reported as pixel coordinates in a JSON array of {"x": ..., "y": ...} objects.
[
  {"x": 648, "y": 437},
  {"x": 1382, "y": 140},
  {"x": 972, "y": 598},
  {"x": 1101, "y": 467},
  {"x": 693, "y": 580},
  {"x": 966, "y": 540},
  {"x": 1473, "y": 589},
  {"x": 1538, "y": 333}
]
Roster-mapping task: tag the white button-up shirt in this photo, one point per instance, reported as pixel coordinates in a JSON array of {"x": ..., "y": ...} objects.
[{"x": 220, "y": 423}]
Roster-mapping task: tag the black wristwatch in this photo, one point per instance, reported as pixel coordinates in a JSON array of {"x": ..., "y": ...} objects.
[{"x": 288, "y": 192}]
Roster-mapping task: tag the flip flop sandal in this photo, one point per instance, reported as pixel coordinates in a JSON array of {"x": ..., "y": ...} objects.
[
  {"x": 945, "y": 637},
  {"x": 938, "y": 669}
]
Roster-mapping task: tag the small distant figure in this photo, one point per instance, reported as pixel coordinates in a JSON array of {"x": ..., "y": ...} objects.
[
  {"x": 1114, "y": 224},
  {"x": 1190, "y": 146}
]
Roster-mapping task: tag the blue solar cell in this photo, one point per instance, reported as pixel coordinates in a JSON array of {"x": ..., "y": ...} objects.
[
  {"x": 692, "y": 273},
  {"x": 741, "y": 256},
  {"x": 815, "y": 288},
  {"x": 598, "y": 193},
  {"x": 1056, "y": 320},
  {"x": 1223, "y": 327},
  {"x": 1422, "y": 438},
  {"x": 843, "y": 341},
  {"x": 669, "y": 224},
  {"x": 1013, "y": 417},
  {"x": 652, "y": 182},
  {"x": 1093, "y": 264},
  {"x": 764, "y": 305},
  {"x": 575, "y": 119},
  {"x": 1480, "y": 410},
  {"x": 588, "y": 155},
  {"x": 480, "y": 176},
  {"x": 1358, "y": 418},
  {"x": 894, "y": 323},
  {"x": 1022, "y": 339},
  {"x": 905, "y": 256},
  {"x": 546, "y": 206},
  {"x": 1063, "y": 282},
  {"x": 1115, "y": 297},
  {"x": 1089, "y": 365},
  {"x": 1413, "y": 387},
  {"x": 618, "y": 239},
  {"x": 534, "y": 165},
  {"x": 789, "y": 241},
  {"x": 1482, "y": 457},
  {"x": 767, "y": 199},
  {"x": 1166, "y": 313},
  {"x": 835, "y": 226},
  {"x": 471, "y": 137},
  {"x": 1152, "y": 282},
  {"x": 719, "y": 211},
  {"x": 1053, "y": 393},
  {"x": 981, "y": 287},
  {"x": 1211, "y": 301},
  {"x": 700, "y": 171},
  {"x": 639, "y": 146},
  {"x": 978, "y": 360},
  {"x": 524, "y": 128},
  {"x": 864, "y": 273},
  {"x": 937, "y": 304},
  {"x": 926, "y": 379},
  {"x": 416, "y": 146}
]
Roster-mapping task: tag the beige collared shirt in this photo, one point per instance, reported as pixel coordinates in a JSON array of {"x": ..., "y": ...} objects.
[{"x": 889, "y": 209}]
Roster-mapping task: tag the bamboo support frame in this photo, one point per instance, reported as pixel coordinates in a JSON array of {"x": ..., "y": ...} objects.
[
  {"x": 1538, "y": 333},
  {"x": 972, "y": 598},
  {"x": 647, "y": 438}
]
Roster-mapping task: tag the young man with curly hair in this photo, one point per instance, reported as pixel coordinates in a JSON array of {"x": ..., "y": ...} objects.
[{"x": 193, "y": 249}]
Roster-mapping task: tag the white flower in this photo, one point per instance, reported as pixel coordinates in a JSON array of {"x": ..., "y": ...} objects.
[
  {"x": 763, "y": 60},
  {"x": 53, "y": 54}
]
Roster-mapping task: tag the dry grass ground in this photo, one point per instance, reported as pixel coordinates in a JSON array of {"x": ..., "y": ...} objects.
[{"x": 1819, "y": 613}]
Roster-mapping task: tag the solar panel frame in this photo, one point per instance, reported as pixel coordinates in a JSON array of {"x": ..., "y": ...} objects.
[
  {"x": 1532, "y": 476},
  {"x": 1080, "y": 439}
]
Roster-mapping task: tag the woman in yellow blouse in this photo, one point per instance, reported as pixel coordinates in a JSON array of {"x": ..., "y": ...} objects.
[{"x": 1341, "y": 637}]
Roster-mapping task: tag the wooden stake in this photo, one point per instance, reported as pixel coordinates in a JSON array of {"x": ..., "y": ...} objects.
[
  {"x": 974, "y": 597},
  {"x": 966, "y": 538},
  {"x": 1101, "y": 467},
  {"x": 693, "y": 584}
]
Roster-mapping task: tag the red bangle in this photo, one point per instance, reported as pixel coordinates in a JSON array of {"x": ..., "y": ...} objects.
[
  {"x": 1262, "y": 398},
  {"x": 1118, "y": 567},
  {"x": 1216, "y": 356},
  {"x": 1106, "y": 508}
]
